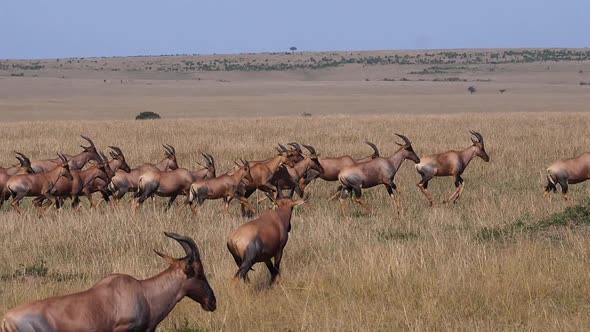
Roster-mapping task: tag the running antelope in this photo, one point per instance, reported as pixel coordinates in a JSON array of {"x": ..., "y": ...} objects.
[
  {"x": 101, "y": 184},
  {"x": 226, "y": 186},
  {"x": 451, "y": 163},
  {"x": 124, "y": 182},
  {"x": 567, "y": 171},
  {"x": 6, "y": 173},
  {"x": 78, "y": 185},
  {"x": 37, "y": 184},
  {"x": 374, "y": 172},
  {"x": 292, "y": 177},
  {"x": 75, "y": 162},
  {"x": 263, "y": 238},
  {"x": 120, "y": 302},
  {"x": 333, "y": 166},
  {"x": 171, "y": 183}
]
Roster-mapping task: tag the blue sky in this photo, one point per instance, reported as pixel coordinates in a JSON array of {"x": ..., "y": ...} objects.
[{"x": 68, "y": 28}]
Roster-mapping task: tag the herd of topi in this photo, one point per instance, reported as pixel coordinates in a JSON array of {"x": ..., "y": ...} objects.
[{"x": 122, "y": 303}]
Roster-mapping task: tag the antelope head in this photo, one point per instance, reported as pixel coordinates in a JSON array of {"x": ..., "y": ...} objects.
[
  {"x": 286, "y": 155},
  {"x": 171, "y": 155},
  {"x": 477, "y": 141},
  {"x": 64, "y": 168},
  {"x": 91, "y": 148},
  {"x": 408, "y": 150},
  {"x": 295, "y": 154},
  {"x": 281, "y": 201},
  {"x": 25, "y": 162},
  {"x": 315, "y": 162},
  {"x": 103, "y": 165},
  {"x": 195, "y": 286},
  {"x": 117, "y": 154},
  {"x": 210, "y": 165}
]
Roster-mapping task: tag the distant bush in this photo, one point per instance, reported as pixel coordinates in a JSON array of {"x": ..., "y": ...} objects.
[
  {"x": 147, "y": 116},
  {"x": 471, "y": 89},
  {"x": 584, "y": 83},
  {"x": 17, "y": 75}
]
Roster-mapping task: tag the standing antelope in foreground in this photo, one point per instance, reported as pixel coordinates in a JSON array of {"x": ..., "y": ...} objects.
[
  {"x": 263, "y": 238},
  {"x": 567, "y": 171},
  {"x": 37, "y": 184},
  {"x": 373, "y": 173},
  {"x": 76, "y": 162},
  {"x": 451, "y": 163},
  {"x": 120, "y": 302}
]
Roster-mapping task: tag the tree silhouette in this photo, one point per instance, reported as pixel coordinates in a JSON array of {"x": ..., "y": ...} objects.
[
  {"x": 293, "y": 49},
  {"x": 471, "y": 89}
]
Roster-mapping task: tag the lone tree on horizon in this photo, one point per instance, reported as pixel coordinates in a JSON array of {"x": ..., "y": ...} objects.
[
  {"x": 471, "y": 89},
  {"x": 293, "y": 49}
]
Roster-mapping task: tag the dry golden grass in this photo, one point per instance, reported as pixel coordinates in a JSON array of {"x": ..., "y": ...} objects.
[{"x": 421, "y": 270}]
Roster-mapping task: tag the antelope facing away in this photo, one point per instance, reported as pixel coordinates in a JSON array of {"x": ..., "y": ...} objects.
[
  {"x": 120, "y": 302},
  {"x": 37, "y": 184},
  {"x": 567, "y": 171},
  {"x": 75, "y": 162},
  {"x": 263, "y": 238},
  {"x": 451, "y": 163},
  {"x": 373, "y": 173}
]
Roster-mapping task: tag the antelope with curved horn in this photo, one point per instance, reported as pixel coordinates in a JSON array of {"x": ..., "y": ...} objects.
[
  {"x": 120, "y": 302},
  {"x": 78, "y": 185},
  {"x": 124, "y": 182},
  {"x": 263, "y": 239},
  {"x": 226, "y": 186},
  {"x": 6, "y": 173},
  {"x": 567, "y": 171},
  {"x": 75, "y": 162},
  {"x": 262, "y": 174},
  {"x": 100, "y": 184},
  {"x": 375, "y": 172},
  {"x": 171, "y": 183},
  {"x": 207, "y": 171},
  {"x": 451, "y": 163},
  {"x": 333, "y": 166},
  {"x": 292, "y": 177},
  {"x": 37, "y": 184}
]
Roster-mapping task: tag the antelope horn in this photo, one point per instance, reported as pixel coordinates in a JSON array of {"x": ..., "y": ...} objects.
[
  {"x": 477, "y": 135},
  {"x": 309, "y": 148},
  {"x": 20, "y": 160},
  {"x": 89, "y": 140},
  {"x": 25, "y": 158},
  {"x": 116, "y": 149},
  {"x": 188, "y": 244},
  {"x": 283, "y": 148},
  {"x": 406, "y": 140},
  {"x": 171, "y": 148},
  {"x": 375, "y": 150},
  {"x": 211, "y": 159},
  {"x": 62, "y": 157},
  {"x": 168, "y": 151},
  {"x": 296, "y": 146},
  {"x": 113, "y": 155},
  {"x": 104, "y": 158}
]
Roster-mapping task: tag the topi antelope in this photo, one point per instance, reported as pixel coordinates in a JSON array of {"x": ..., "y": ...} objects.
[
  {"x": 37, "y": 184},
  {"x": 372, "y": 173},
  {"x": 124, "y": 182},
  {"x": 101, "y": 184},
  {"x": 263, "y": 238},
  {"x": 171, "y": 183},
  {"x": 226, "y": 186},
  {"x": 567, "y": 171},
  {"x": 292, "y": 177},
  {"x": 120, "y": 302},
  {"x": 75, "y": 162},
  {"x": 333, "y": 166},
  {"x": 6, "y": 173},
  {"x": 451, "y": 163},
  {"x": 78, "y": 185}
]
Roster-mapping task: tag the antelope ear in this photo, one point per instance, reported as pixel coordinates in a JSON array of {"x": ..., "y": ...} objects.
[{"x": 167, "y": 258}]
